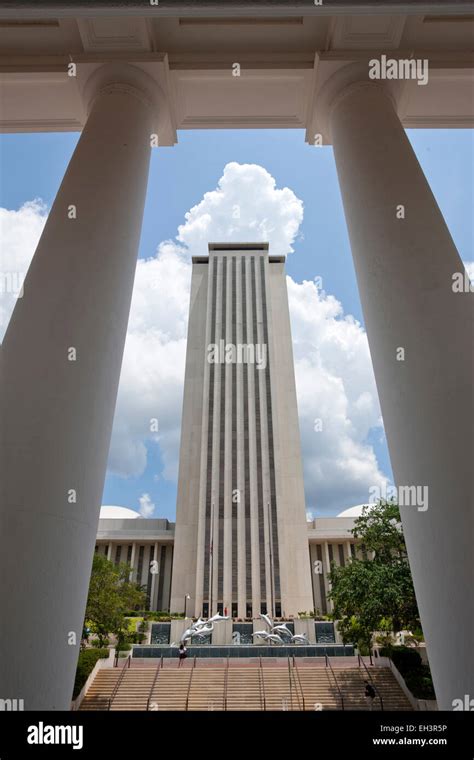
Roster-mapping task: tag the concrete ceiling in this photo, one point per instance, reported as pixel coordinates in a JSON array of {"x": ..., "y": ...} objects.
[
  {"x": 285, "y": 59},
  {"x": 226, "y": 7}
]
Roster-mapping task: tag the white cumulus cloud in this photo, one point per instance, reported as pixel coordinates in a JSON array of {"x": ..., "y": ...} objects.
[
  {"x": 337, "y": 400},
  {"x": 146, "y": 505},
  {"x": 246, "y": 206},
  {"x": 148, "y": 413},
  {"x": 19, "y": 234}
]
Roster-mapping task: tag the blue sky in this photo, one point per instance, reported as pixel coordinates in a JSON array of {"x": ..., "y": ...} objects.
[{"x": 33, "y": 165}]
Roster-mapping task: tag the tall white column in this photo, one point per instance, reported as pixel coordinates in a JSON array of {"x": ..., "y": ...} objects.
[
  {"x": 327, "y": 571},
  {"x": 347, "y": 551},
  {"x": 132, "y": 561},
  {"x": 61, "y": 362},
  {"x": 155, "y": 572},
  {"x": 315, "y": 578},
  {"x": 405, "y": 259}
]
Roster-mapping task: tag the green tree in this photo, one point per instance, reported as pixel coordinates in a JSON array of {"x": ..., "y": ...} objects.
[
  {"x": 375, "y": 594},
  {"x": 111, "y": 594}
]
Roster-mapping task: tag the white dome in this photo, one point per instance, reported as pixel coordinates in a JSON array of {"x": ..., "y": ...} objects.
[
  {"x": 117, "y": 513},
  {"x": 355, "y": 511}
]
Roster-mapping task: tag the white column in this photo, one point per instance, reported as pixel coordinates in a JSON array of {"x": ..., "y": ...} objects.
[
  {"x": 167, "y": 579},
  {"x": 315, "y": 576},
  {"x": 60, "y": 370},
  {"x": 327, "y": 570},
  {"x": 132, "y": 561},
  {"x": 404, "y": 271},
  {"x": 153, "y": 577},
  {"x": 347, "y": 551}
]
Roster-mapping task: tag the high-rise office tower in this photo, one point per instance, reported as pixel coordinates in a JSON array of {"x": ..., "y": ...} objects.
[{"x": 241, "y": 542}]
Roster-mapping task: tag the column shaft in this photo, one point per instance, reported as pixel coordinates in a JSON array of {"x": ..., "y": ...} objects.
[
  {"x": 404, "y": 261},
  {"x": 61, "y": 362},
  {"x": 153, "y": 578},
  {"x": 327, "y": 570}
]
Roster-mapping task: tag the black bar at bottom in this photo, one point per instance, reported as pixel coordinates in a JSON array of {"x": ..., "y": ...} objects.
[{"x": 121, "y": 734}]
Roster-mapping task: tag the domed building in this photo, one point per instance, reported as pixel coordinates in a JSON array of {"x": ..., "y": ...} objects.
[
  {"x": 355, "y": 511},
  {"x": 146, "y": 543},
  {"x": 117, "y": 513},
  {"x": 125, "y": 536}
]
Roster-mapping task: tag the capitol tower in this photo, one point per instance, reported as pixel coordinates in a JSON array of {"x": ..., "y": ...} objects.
[{"x": 241, "y": 545}]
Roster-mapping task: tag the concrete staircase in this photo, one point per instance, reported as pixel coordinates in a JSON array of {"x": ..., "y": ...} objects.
[
  {"x": 171, "y": 689},
  {"x": 244, "y": 689},
  {"x": 100, "y": 690},
  {"x": 207, "y": 689},
  {"x": 276, "y": 688},
  {"x": 319, "y": 689},
  {"x": 134, "y": 689},
  {"x": 239, "y": 687},
  {"x": 351, "y": 683}
]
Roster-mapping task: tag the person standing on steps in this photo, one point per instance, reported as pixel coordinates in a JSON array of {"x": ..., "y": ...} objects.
[
  {"x": 369, "y": 694},
  {"x": 181, "y": 654}
]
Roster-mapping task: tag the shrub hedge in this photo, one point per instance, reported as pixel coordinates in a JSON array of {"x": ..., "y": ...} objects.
[
  {"x": 123, "y": 646},
  {"x": 152, "y": 614},
  {"x": 416, "y": 674},
  {"x": 420, "y": 683},
  {"x": 405, "y": 658},
  {"x": 85, "y": 665}
]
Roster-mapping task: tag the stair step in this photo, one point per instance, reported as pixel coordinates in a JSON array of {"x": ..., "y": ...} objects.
[{"x": 203, "y": 688}]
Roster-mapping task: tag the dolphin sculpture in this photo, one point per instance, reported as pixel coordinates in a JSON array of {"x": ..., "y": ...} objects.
[
  {"x": 190, "y": 632},
  {"x": 267, "y": 620},
  {"x": 272, "y": 637},
  {"x": 204, "y": 630},
  {"x": 282, "y": 628},
  {"x": 275, "y": 638},
  {"x": 201, "y": 628},
  {"x": 299, "y": 638},
  {"x": 217, "y": 618},
  {"x": 261, "y": 634},
  {"x": 187, "y": 635}
]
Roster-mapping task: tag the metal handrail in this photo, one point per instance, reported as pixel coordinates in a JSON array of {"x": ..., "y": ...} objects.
[
  {"x": 261, "y": 682},
  {"x": 226, "y": 679},
  {"x": 328, "y": 665},
  {"x": 290, "y": 683},
  {"x": 158, "y": 668},
  {"x": 189, "y": 684},
  {"x": 126, "y": 665},
  {"x": 361, "y": 660},
  {"x": 298, "y": 680}
]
